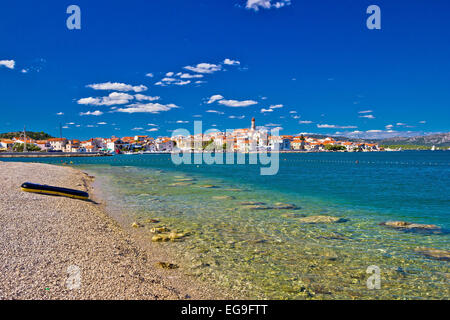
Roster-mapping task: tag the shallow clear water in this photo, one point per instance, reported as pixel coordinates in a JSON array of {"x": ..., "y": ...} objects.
[{"x": 267, "y": 251}]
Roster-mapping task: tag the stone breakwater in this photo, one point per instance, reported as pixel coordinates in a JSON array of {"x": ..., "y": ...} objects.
[{"x": 43, "y": 239}]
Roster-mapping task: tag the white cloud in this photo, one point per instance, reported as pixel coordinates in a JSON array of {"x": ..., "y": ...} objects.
[
  {"x": 368, "y": 116},
  {"x": 295, "y": 117},
  {"x": 7, "y": 63},
  {"x": 181, "y": 121},
  {"x": 93, "y": 113},
  {"x": 188, "y": 75},
  {"x": 169, "y": 80},
  {"x": 113, "y": 98},
  {"x": 137, "y": 129},
  {"x": 169, "y": 74},
  {"x": 24, "y": 71},
  {"x": 141, "y": 97},
  {"x": 182, "y": 83},
  {"x": 423, "y": 121},
  {"x": 150, "y": 75},
  {"x": 214, "y": 111},
  {"x": 236, "y": 103},
  {"x": 102, "y": 123},
  {"x": 335, "y": 126},
  {"x": 305, "y": 122},
  {"x": 292, "y": 111},
  {"x": 204, "y": 68},
  {"x": 117, "y": 87},
  {"x": 276, "y": 106},
  {"x": 236, "y": 117},
  {"x": 214, "y": 98},
  {"x": 266, "y": 4},
  {"x": 230, "y": 103},
  {"x": 231, "y": 62},
  {"x": 147, "y": 108},
  {"x": 266, "y": 110},
  {"x": 60, "y": 113},
  {"x": 401, "y": 124},
  {"x": 152, "y": 129},
  {"x": 365, "y": 111},
  {"x": 152, "y": 124}
]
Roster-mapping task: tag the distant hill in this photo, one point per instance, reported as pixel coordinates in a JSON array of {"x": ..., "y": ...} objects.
[
  {"x": 33, "y": 135},
  {"x": 438, "y": 140},
  {"x": 338, "y": 138}
]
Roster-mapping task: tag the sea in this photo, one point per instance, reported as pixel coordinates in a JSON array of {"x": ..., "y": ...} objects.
[{"x": 314, "y": 230}]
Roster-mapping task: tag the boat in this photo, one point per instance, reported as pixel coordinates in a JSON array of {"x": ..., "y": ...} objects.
[{"x": 55, "y": 191}]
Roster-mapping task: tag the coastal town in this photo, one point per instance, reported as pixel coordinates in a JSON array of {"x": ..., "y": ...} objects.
[{"x": 238, "y": 140}]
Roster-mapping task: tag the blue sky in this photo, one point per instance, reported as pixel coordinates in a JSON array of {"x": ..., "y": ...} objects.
[{"x": 304, "y": 66}]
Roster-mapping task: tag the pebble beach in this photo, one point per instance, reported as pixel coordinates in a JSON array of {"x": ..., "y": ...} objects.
[{"x": 45, "y": 239}]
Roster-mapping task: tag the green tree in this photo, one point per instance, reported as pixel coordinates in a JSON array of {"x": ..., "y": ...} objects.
[
  {"x": 332, "y": 147},
  {"x": 33, "y": 135},
  {"x": 205, "y": 144},
  {"x": 18, "y": 147}
]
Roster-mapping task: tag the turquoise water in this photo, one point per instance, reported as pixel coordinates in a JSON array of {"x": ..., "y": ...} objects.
[{"x": 264, "y": 249}]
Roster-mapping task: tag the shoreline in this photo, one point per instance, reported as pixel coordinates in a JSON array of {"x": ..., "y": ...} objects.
[
  {"x": 51, "y": 154},
  {"x": 43, "y": 236}
]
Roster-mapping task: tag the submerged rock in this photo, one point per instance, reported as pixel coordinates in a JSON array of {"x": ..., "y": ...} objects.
[
  {"x": 293, "y": 215},
  {"x": 321, "y": 219},
  {"x": 167, "y": 265},
  {"x": 332, "y": 236},
  {"x": 160, "y": 238},
  {"x": 280, "y": 205},
  {"x": 136, "y": 225},
  {"x": 185, "y": 179},
  {"x": 208, "y": 186},
  {"x": 409, "y": 225},
  {"x": 258, "y": 207},
  {"x": 174, "y": 236},
  {"x": 159, "y": 230},
  {"x": 251, "y": 203},
  {"x": 223, "y": 197},
  {"x": 151, "y": 221},
  {"x": 433, "y": 253},
  {"x": 180, "y": 184}
]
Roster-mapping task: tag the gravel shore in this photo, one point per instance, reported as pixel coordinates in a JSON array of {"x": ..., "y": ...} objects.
[{"x": 46, "y": 241}]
